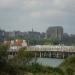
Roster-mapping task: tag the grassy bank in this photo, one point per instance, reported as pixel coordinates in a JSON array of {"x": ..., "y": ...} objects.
[
  {"x": 37, "y": 69},
  {"x": 66, "y": 68},
  {"x": 18, "y": 66}
]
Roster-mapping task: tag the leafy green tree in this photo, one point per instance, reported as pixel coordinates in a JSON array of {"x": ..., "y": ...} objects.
[
  {"x": 5, "y": 67},
  {"x": 3, "y": 51},
  {"x": 23, "y": 57}
]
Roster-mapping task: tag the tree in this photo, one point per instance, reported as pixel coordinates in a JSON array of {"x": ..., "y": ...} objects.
[
  {"x": 23, "y": 57},
  {"x": 5, "y": 67},
  {"x": 3, "y": 51}
]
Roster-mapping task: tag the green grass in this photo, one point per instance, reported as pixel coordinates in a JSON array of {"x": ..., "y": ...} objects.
[
  {"x": 66, "y": 68},
  {"x": 37, "y": 69}
]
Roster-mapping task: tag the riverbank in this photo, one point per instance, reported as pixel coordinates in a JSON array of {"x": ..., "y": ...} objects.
[
  {"x": 18, "y": 65},
  {"x": 65, "y": 68},
  {"x": 36, "y": 69}
]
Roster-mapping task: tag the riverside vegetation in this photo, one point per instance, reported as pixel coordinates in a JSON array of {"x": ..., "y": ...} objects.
[{"x": 19, "y": 65}]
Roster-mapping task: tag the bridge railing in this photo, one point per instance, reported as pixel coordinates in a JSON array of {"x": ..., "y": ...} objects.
[{"x": 52, "y": 48}]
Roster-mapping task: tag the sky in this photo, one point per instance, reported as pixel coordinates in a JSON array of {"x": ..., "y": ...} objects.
[{"x": 24, "y": 15}]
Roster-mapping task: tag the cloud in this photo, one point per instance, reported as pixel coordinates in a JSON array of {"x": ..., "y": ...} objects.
[
  {"x": 28, "y": 13},
  {"x": 7, "y": 3},
  {"x": 46, "y": 13},
  {"x": 43, "y": 8}
]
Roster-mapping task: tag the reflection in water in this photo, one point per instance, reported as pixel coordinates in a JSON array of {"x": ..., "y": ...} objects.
[{"x": 53, "y": 62}]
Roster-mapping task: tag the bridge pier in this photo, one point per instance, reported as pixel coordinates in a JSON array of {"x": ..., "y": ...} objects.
[
  {"x": 63, "y": 56},
  {"x": 49, "y": 54},
  {"x": 57, "y": 55},
  {"x": 40, "y": 54},
  {"x": 52, "y": 54},
  {"x": 44, "y": 54}
]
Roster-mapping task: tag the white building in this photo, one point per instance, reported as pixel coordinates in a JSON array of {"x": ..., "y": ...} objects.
[{"x": 15, "y": 47}]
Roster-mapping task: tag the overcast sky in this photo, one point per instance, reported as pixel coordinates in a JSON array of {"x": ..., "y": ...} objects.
[{"x": 24, "y": 15}]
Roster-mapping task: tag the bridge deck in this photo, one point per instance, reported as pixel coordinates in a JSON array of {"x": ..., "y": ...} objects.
[{"x": 52, "y": 48}]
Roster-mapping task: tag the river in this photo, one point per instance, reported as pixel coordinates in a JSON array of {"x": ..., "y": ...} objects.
[{"x": 53, "y": 62}]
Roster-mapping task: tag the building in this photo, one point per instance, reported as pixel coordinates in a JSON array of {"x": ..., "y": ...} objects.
[
  {"x": 2, "y": 35},
  {"x": 15, "y": 46},
  {"x": 55, "y": 32},
  {"x": 10, "y": 34},
  {"x": 16, "y": 42},
  {"x": 34, "y": 35},
  {"x": 19, "y": 33}
]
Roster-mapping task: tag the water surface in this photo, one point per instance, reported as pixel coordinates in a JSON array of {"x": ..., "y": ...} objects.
[{"x": 53, "y": 62}]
